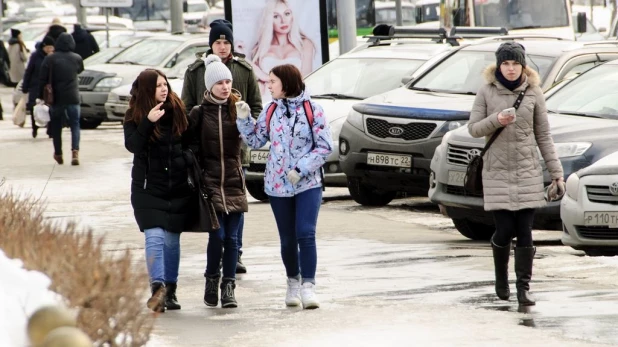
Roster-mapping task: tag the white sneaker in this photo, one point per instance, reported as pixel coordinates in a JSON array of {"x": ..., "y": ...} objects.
[
  {"x": 292, "y": 296},
  {"x": 308, "y": 297}
]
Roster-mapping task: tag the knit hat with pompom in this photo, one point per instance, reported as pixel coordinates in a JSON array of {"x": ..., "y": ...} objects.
[{"x": 215, "y": 71}]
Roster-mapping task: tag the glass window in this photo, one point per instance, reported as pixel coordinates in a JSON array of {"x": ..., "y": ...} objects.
[
  {"x": 147, "y": 52},
  {"x": 360, "y": 78},
  {"x": 431, "y": 12},
  {"x": 189, "y": 53},
  {"x": 462, "y": 73},
  {"x": 594, "y": 93},
  {"x": 389, "y": 16},
  {"x": 520, "y": 14}
]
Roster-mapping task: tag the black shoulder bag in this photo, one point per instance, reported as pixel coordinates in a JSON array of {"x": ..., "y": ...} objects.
[{"x": 473, "y": 182}]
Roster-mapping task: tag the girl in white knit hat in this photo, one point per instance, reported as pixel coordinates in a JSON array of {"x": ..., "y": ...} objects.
[{"x": 213, "y": 126}]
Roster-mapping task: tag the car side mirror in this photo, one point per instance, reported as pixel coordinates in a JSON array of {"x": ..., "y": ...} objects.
[
  {"x": 406, "y": 79},
  {"x": 582, "y": 22},
  {"x": 602, "y": 29}
]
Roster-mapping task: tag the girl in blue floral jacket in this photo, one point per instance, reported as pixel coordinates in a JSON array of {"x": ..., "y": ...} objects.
[{"x": 300, "y": 143}]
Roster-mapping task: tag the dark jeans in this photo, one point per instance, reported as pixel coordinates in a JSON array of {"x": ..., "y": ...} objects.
[
  {"x": 30, "y": 108},
  {"x": 224, "y": 238},
  {"x": 510, "y": 224},
  {"x": 58, "y": 112},
  {"x": 241, "y": 226},
  {"x": 297, "y": 219}
]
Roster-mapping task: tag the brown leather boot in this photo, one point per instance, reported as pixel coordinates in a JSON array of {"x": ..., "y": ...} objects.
[
  {"x": 58, "y": 159},
  {"x": 75, "y": 158}
]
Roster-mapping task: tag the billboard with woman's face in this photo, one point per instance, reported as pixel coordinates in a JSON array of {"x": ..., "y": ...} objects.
[{"x": 276, "y": 32}]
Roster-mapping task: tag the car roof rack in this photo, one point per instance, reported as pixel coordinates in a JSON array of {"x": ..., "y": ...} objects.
[
  {"x": 524, "y": 37},
  {"x": 600, "y": 43},
  {"x": 384, "y": 32},
  {"x": 477, "y": 32}
]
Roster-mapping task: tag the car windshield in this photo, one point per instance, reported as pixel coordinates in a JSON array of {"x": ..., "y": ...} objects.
[
  {"x": 102, "y": 57},
  {"x": 521, "y": 14},
  {"x": 389, "y": 15},
  {"x": 178, "y": 71},
  {"x": 462, "y": 72},
  {"x": 360, "y": 77},
  {"x": 594, "y": 93},
  {"x": 147, "y": 52}
]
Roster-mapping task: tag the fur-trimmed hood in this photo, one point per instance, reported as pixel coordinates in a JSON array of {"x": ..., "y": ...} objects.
[{"x": 532, "y": 77}]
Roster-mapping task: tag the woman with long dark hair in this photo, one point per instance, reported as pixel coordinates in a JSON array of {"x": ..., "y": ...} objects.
[{"x": 154, "y": 126}]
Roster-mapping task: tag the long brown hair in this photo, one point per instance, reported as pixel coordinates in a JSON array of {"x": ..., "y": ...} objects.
[{"x": 143, "y": 100}]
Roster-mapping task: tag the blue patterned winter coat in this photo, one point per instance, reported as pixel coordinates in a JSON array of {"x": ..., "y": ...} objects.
[{"x": 291, "y": 145}]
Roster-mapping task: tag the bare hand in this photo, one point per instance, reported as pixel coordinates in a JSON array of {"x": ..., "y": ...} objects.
[
  {"x": 505, "y": 120},
  {"x": 155, "y": 114}
]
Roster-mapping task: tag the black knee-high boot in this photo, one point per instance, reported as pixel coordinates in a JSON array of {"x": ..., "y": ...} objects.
[
  {"x": 523, "y": 270},
  {"x": 501, "y": 267}
]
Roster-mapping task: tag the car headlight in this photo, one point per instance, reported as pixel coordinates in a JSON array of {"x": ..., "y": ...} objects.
[
  {"x": 571, "y": 149},
  {"x": 113, "y": 97},
  {"x": 335, "y": 128},
  {"x": 449, "y": 126},
  {"x": 455, "y": 124},
  {"x": 356, "y": 120},
  {"x": 107, "y": 84},
  {"x": 572, "y": 186}
]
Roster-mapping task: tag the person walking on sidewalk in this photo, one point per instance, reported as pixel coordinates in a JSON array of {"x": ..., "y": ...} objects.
[
  {"x": 18, "y": 55},
  {"x": 31, "y": 78},
  {"x": 300, "y": 143},
  {"x": 512, "y": 174},
  {"x": 154, "y": 126},
  {"x": 213, "y": 126},
  {"x": 64, "y": 66},
  {"x": 221, "y": 42}
]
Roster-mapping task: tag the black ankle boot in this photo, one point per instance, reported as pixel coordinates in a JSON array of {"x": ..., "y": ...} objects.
[
  {"x": 228, "y": 300},
  {"x": 211, "y": 290},
  {"x": 523, "y": 269},
  {"x": 240, "y": 267},
  {"x": 157, "y": 300},
  {"x": 171, "y": 302},
  {"x": 501, "y": 268}
]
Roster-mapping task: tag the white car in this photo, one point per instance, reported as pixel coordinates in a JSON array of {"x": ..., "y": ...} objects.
[{"x": 589, "y": 209}]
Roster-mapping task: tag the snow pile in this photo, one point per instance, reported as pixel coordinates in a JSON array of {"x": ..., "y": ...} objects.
[{"x": 22, "y": 292}]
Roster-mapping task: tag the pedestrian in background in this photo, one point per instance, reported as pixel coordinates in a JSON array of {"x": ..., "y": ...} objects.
[
  {"x": 31, "y": 78},
  {"x": 85, "y": 43},
  {"x": 512, "y": 174},
  {"x": 56, "y": 28},
  {"x": 64, "y": 66},
  {"x": 18, "y": 55},
  {"x": 154, "y": 126},
  {"x": 213, "y": 125},
  {"x": 221, "y": 42},
  {"x": 300, "y": 144}
]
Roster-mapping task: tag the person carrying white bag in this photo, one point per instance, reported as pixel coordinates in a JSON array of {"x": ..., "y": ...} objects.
[{"x": 40, "y": 113}]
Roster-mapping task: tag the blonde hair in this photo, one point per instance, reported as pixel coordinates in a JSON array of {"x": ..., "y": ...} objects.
[{"x": 266, "y": 35}]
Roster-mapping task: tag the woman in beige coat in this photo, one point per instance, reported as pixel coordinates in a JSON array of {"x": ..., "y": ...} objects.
[
  {"x": 512, "y": 174},
  {"x": 18, "y": 55}
]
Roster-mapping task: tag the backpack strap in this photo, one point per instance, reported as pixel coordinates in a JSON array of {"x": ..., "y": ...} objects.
[
  {"x": 308, "y": 112},
  {"x": 269, "y": 114}
]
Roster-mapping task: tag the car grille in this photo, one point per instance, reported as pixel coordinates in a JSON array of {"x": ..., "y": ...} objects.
[
  {"x": 257, "y": 167},
  {"x": 411, "y": 131},
  {"x": 457, "y": 190},
  {"x": 458, "y": 155},
  {"x": 598, "y": 232},
  {"x": 601, "y": 194},
  {"x": 85, "y": 80}
]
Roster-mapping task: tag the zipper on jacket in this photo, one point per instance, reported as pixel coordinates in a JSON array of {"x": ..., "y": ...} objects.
[{"x": 222, "y": 162}]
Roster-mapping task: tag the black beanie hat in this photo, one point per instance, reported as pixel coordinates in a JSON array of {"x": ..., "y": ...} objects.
[
  {"x": 511, "y": 51},
  {"x": 15, "y": 33},
  {"x": 220, "y": 29},
  {"x": 48, "y": 41}
]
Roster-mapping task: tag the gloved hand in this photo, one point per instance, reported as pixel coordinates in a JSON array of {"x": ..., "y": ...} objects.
[
  {"x": 293, "y": 177},
  {"x": 242, "y": 110},
  {"x": 555, "y": 191}
]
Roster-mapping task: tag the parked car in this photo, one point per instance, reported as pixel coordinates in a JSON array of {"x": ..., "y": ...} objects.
[
  {"x": 369, "y": 69},
  {"x": 160, "y": 52},
  {"x": 387, "y": 141},
  {"x": 583, "y": 115}
]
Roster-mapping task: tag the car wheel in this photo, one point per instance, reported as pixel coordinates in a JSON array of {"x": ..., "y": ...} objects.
[
  {"x": 368, "y": 196},
  {"x": 89, "y": 123},
  {"x": 256, "y": 189},
  {"x": 474, "y": 230}
]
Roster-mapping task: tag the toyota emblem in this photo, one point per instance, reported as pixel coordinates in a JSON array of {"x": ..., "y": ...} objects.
[
  {"x": 475, "y": 152},
  {"x": 614, "y": 188},
  {"x": 395, "y": 131}
]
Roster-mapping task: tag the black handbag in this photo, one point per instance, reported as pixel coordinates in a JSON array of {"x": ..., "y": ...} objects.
[
  {"x": 473, "y": 182},
  {"x": 202, "y": 215}
]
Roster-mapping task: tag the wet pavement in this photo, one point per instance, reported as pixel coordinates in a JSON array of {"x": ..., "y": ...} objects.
[{"x": 396, "y": 275}]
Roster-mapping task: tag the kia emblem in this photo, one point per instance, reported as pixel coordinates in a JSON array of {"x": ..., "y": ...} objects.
[{"x": 396, "y": 131}]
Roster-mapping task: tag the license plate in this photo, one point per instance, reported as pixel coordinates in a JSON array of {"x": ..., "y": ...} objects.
[
  {"x": 456, "y": 178},
  {"x": 394, "y": 160},
  {"x": 259, "y": 157},
  {"x": 601, "y": 218}
]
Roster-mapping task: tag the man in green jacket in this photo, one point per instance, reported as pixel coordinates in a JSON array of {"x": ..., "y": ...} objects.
[{"x": 221, "y": 42}]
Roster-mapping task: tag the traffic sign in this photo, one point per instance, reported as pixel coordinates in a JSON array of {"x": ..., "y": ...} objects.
[{"x": 106, "y": 3}]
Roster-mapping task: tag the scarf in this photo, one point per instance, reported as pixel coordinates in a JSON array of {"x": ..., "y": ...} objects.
[{"x": 510, "y": 85}]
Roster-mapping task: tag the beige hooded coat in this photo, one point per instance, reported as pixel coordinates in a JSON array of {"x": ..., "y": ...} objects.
[{"x": 512, "y": 173}]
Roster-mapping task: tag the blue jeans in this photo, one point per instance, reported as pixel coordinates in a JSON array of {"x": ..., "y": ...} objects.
[
  {"x": 241, "y": 226},
  {"x": 297, "y": 218},
  {"x": 223, "y": 244},
  {"x": 162, "y": 255},
  {"x": 58, "y": 112}
]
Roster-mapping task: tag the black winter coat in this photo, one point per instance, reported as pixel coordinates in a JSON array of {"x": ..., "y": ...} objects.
[
  {"x": 31, "y": 78},
  {"x": 85, "y": 44},
  {"x": 55, "y": 30},
  {"x": 160, "y": 194},
  {"x": 65, "y": 66}
]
